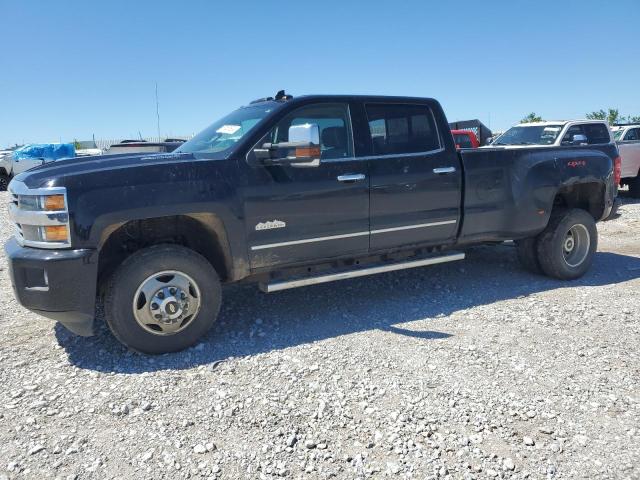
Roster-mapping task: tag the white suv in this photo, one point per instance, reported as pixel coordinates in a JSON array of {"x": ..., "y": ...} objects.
[{"x": 628, "y": 140}]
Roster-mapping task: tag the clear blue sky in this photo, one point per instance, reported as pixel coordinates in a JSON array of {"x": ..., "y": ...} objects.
[{"x": 71, "y": 69}]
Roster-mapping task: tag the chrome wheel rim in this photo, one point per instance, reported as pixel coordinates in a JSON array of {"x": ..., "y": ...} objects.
[
  {"x": 166, "y": 302},
  {"x": 575, "y": 247}
]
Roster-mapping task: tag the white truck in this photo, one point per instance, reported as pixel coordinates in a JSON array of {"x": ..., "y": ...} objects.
[
  {"x": 556, "y": 134},
  {"x": 628, "y": 139}
]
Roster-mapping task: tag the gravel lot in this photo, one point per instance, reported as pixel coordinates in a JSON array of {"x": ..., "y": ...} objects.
[{"x": 468, "y": 370}]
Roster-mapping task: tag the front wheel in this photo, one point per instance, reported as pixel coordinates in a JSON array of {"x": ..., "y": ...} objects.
[
  {"x": 162, "y": 299},
  {"x": 567, "y": 246},
  {"x": 4, "y": 182}
]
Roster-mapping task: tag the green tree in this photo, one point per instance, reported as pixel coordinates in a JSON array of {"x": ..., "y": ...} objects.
[
  {"x": 612, "y": 115},
  {"x": 532, "y": 117}
]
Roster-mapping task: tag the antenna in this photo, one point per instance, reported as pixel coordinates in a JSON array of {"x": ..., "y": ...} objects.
[{"x": 158, "y": 111}]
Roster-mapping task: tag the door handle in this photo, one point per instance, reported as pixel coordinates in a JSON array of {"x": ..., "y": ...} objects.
[
  {"x": 444, "y": 170},
  {"x": 352, "y": 177}
]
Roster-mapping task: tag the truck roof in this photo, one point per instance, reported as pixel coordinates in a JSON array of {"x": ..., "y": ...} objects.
[
  {"x": 346, "y": 98},
  {"x": 626, "y": 125},
  {"x": 558, "y": 122}
]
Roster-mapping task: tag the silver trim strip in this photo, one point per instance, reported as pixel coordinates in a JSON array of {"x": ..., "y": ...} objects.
[
  {"x": 39, "y": 218},
  {"x": 409, "y": 227},
  {"x": 349, "y": 235},
  {"x": 284, "y": 285},
  {"x": 19, "y": 188},
  {"x": 308, "y": 240}
]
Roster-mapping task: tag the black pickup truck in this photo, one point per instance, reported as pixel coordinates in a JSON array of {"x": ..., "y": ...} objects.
[{"x": 289, "y": 192}]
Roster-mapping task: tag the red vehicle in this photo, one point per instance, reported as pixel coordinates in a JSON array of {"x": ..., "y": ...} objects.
[{"x": 465, "y": 139}]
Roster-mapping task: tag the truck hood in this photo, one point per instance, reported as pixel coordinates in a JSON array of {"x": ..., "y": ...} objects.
[{"x": 50, "y": 174}]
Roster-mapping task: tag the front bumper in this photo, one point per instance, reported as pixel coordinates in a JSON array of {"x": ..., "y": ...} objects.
[{"x": 58, "y": 284}]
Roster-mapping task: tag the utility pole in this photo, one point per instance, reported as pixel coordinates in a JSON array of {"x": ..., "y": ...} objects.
[{"x": 158, "y": 111}]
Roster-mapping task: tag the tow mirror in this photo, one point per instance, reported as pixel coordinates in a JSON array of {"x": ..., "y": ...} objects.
[
  {"x": 579, "y": 139},
  {"x": 303, "y": 148}
]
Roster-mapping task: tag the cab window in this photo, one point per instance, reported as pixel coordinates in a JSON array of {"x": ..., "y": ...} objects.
[
  {"x": 401, "y": 129},
  {"x": 333, "y": 125}
]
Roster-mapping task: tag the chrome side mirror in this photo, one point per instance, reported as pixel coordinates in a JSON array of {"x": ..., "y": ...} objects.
[
  {"x": 579, "y": 139},
  {"x": 306, "y": 133},
  {"x": 302, "y": 149}
]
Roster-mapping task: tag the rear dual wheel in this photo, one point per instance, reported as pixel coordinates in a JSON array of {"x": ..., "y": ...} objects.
[
  {"x": 565, "y": 248},
  {"x": 162, "y": 299}
]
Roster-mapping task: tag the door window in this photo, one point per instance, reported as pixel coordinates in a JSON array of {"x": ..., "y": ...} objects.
[
  {"x": 333, "y": 125},
  {"x": 398, "y": 129},
  {"x": 573, "y": 130},
  {"x": 632, "y": 134}
]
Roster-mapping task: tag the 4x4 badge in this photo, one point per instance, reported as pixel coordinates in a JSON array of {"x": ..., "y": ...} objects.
[{"x": 270, "y": 225}]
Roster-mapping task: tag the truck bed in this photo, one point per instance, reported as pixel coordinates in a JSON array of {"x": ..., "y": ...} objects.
[{"x": 509, "y": 192}]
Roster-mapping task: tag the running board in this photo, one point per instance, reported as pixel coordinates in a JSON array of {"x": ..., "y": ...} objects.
[{"x": 360, "y": 272}]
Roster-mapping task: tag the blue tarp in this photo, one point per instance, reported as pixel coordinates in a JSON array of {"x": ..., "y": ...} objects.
[{"x": 49, "y": 151}]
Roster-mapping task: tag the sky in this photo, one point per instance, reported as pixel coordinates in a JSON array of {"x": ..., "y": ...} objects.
[{"x": 73, "y": 69}]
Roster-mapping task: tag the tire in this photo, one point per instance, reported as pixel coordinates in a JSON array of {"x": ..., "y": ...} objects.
[
  {"x": 4, "y": 182},
  {"x": 188, "y": 286},
  {"x": 527, "y": 250},
  {"x": 634, "y": 187},
  {"x": 563, "y": 257}
]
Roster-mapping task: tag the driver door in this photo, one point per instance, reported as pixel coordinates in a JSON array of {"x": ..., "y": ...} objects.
[{"x": 308, "y": 212}]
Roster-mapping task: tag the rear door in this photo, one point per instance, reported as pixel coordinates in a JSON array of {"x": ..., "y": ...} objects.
[
  {"x": 629, "y": 149},
  {"x": 309, "y": 212},
  {"x": 415, "y": 180}
]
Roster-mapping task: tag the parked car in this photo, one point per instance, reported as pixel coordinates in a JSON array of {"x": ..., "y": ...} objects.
[
  {"x": 32, "y": 155},
  {"x": 465, "y": 139},
  {"x": 289, "y": 192},
  {"x": 555, "y": 134},
  {"x": 142, "y": 146},
  {"x": 5, "y": 168},
  {"x": 628, "y": 140}
]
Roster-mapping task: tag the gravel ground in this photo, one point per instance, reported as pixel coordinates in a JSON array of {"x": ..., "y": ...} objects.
[{"x": 468, "y": 370}]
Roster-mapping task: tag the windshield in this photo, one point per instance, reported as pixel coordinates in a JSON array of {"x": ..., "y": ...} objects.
[
  {"x": 462, "y": 140},
  {"x": 530, "y": 135},
  {"x": 617, "y": 134},
  {"x": 226, "y": 132}
]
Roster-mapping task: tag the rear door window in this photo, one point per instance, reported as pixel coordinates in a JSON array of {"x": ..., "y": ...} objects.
[
  {"x": 632, "y": 134},
  {"x": 402, "y": 129},
  {"x": 596, "y": 133}
]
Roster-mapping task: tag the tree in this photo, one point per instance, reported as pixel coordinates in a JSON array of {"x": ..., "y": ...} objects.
[
  {"x": 612, "y": 115},
  {"x": 532, "y": 117}
]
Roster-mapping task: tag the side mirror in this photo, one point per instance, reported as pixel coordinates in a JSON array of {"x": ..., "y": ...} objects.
[
  {"x": 579, "y": 139},
  {"x": 302, "y": 148}
]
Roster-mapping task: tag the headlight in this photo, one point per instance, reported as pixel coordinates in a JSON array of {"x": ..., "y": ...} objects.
[
  {"x": 41, "y": 216},
  {"x": 36, "y": 203}
]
